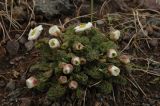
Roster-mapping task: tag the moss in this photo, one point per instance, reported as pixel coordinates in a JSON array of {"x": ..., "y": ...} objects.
[
  {"x": 43, "y": 86},
  {"x": 55, "y": 92},
  {"x": 39, "y": 67},
  {"x": 80, "y": 93},
  {"x": 105, "y": 87},
  {"x": 94, "y": 51},
  {"x": 118, "y": 80},
  {"x": 94, "y": 73},
  {"x": 81, "y": 78},
  {"x": 104, "y": 46}
]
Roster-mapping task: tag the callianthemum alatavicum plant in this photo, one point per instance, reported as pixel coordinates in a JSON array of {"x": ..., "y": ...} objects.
[{"x": 76, "y": 59}]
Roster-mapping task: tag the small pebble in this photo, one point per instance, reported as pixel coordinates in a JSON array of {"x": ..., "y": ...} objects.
[
  {"x": 11, "y": 85},
  {"x": 145, "y": 104},
  {"x": 22, "y": 40},
  {"x": 2, "y": 83},
  {"x": 55, "y": 104},
  {"x": 100, "y": 22},
  {"x": 153, "y": 42},
  {"x": 29, "y": 45},
  {"x": 12, "y": 47},
  {"x": 25, "y": 102}
]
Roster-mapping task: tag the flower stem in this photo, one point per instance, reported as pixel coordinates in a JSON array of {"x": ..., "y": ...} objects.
[{"x": 92, "y": 5}]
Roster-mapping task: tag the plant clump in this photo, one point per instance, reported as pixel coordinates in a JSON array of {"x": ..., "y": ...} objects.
[{"x": 76, "y": 59}]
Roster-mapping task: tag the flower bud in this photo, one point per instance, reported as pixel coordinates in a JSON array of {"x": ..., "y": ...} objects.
[
  {"x": 54, "y": 30},
  {"x": 54, "y": 43},
  {"x": 31, "y": 82},
  {"x": 76, "y": 61},
  {"x": 73, "y": 85},
  {"x": 112, "y": 53},
  {"x": 78, "y": 46},
  {"x": 124, "y": 59},
  {"x": 67, "y": 68},
  {"x": 62, "y": 79},
  {"x": 114, "y": 35},
  {"x": 113, "y": 70}
]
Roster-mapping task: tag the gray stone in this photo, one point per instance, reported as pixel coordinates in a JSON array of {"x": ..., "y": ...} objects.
[
  {"x": 2, "y": 83},
  {"x": 55, "y": 104},
  {"x": 153, "y": 42},
  {"x": 100, "y": 22},
  {"x": 11, "y": 85},
  {"x": 12, "y": 47},
  {"x": 50, "y": 8},
  {"x": 29, "y": 45},
  {"x": 22, "y": 40},
  {"x": 25, "y": 102}
]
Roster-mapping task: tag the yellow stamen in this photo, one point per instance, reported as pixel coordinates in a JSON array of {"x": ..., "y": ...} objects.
[{"x": 82, "y": 25}]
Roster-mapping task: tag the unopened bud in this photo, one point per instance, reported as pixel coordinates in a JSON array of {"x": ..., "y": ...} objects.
[
  {"x": 31, "y": 82},
  {"x": 124, "y": 59},
  {"x": 114, "y": 35},
  {"x": 62, "y": 79},
  {"x": 67, "y": 69},
  {"x": 73, "y": 85}
]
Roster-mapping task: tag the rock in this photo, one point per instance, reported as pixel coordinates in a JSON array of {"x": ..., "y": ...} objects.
[
  {"x": 100, "y": 22},
  {"x": 52, "y": 8},
  {"x": 19, "y": 12},
  {"x": 16, "y": 93},
  {"x": 33, "y": 24},
  {"x": 151, "y": 101},
  {"x": 25, "y": 102},
  {"x": 145, "y": 104},
  {"x": 22, "y": 40},
  {"x": 153, "y": 42},
  {"x": 46, "y": 102},
  {"x": 55, "y": 104},
  {"x": 29, "y": 45},
  {"x": 11, "y": 85},
  {"x": 2, "y": 83},
  {"x": 2, "y": 52},
  {"x": 12, "y": 47}
]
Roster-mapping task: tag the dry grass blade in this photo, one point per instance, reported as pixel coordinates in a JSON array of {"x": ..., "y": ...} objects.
[{"x": 134, "y": 82}]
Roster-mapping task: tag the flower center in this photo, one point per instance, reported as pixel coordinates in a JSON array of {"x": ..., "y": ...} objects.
[
  {"x": 113, "y": 54},
  {"x": 82, "y": 25},
  {"x": 52, "y": 43},
  {"x": 33, "y": 32}
]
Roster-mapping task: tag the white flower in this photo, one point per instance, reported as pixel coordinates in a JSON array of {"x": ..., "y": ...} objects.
[
  {"x": 114, "y": 35},
  {"x": 67, "y": 68},
  {"x": 76, "y": 61},
  {"x": 31, "y": 82},
  {"x": 35, "y": 33},
  {"x": 111, "y": 53},
  {"x": 73, "y": 85},
  {"x": 124, "y": 59},
  {"x": 54, "y": 30},
  {"x": 83, "y": 27},
  {"x": 113, "y": 70},
  {"x": 54, "y": 43}
]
